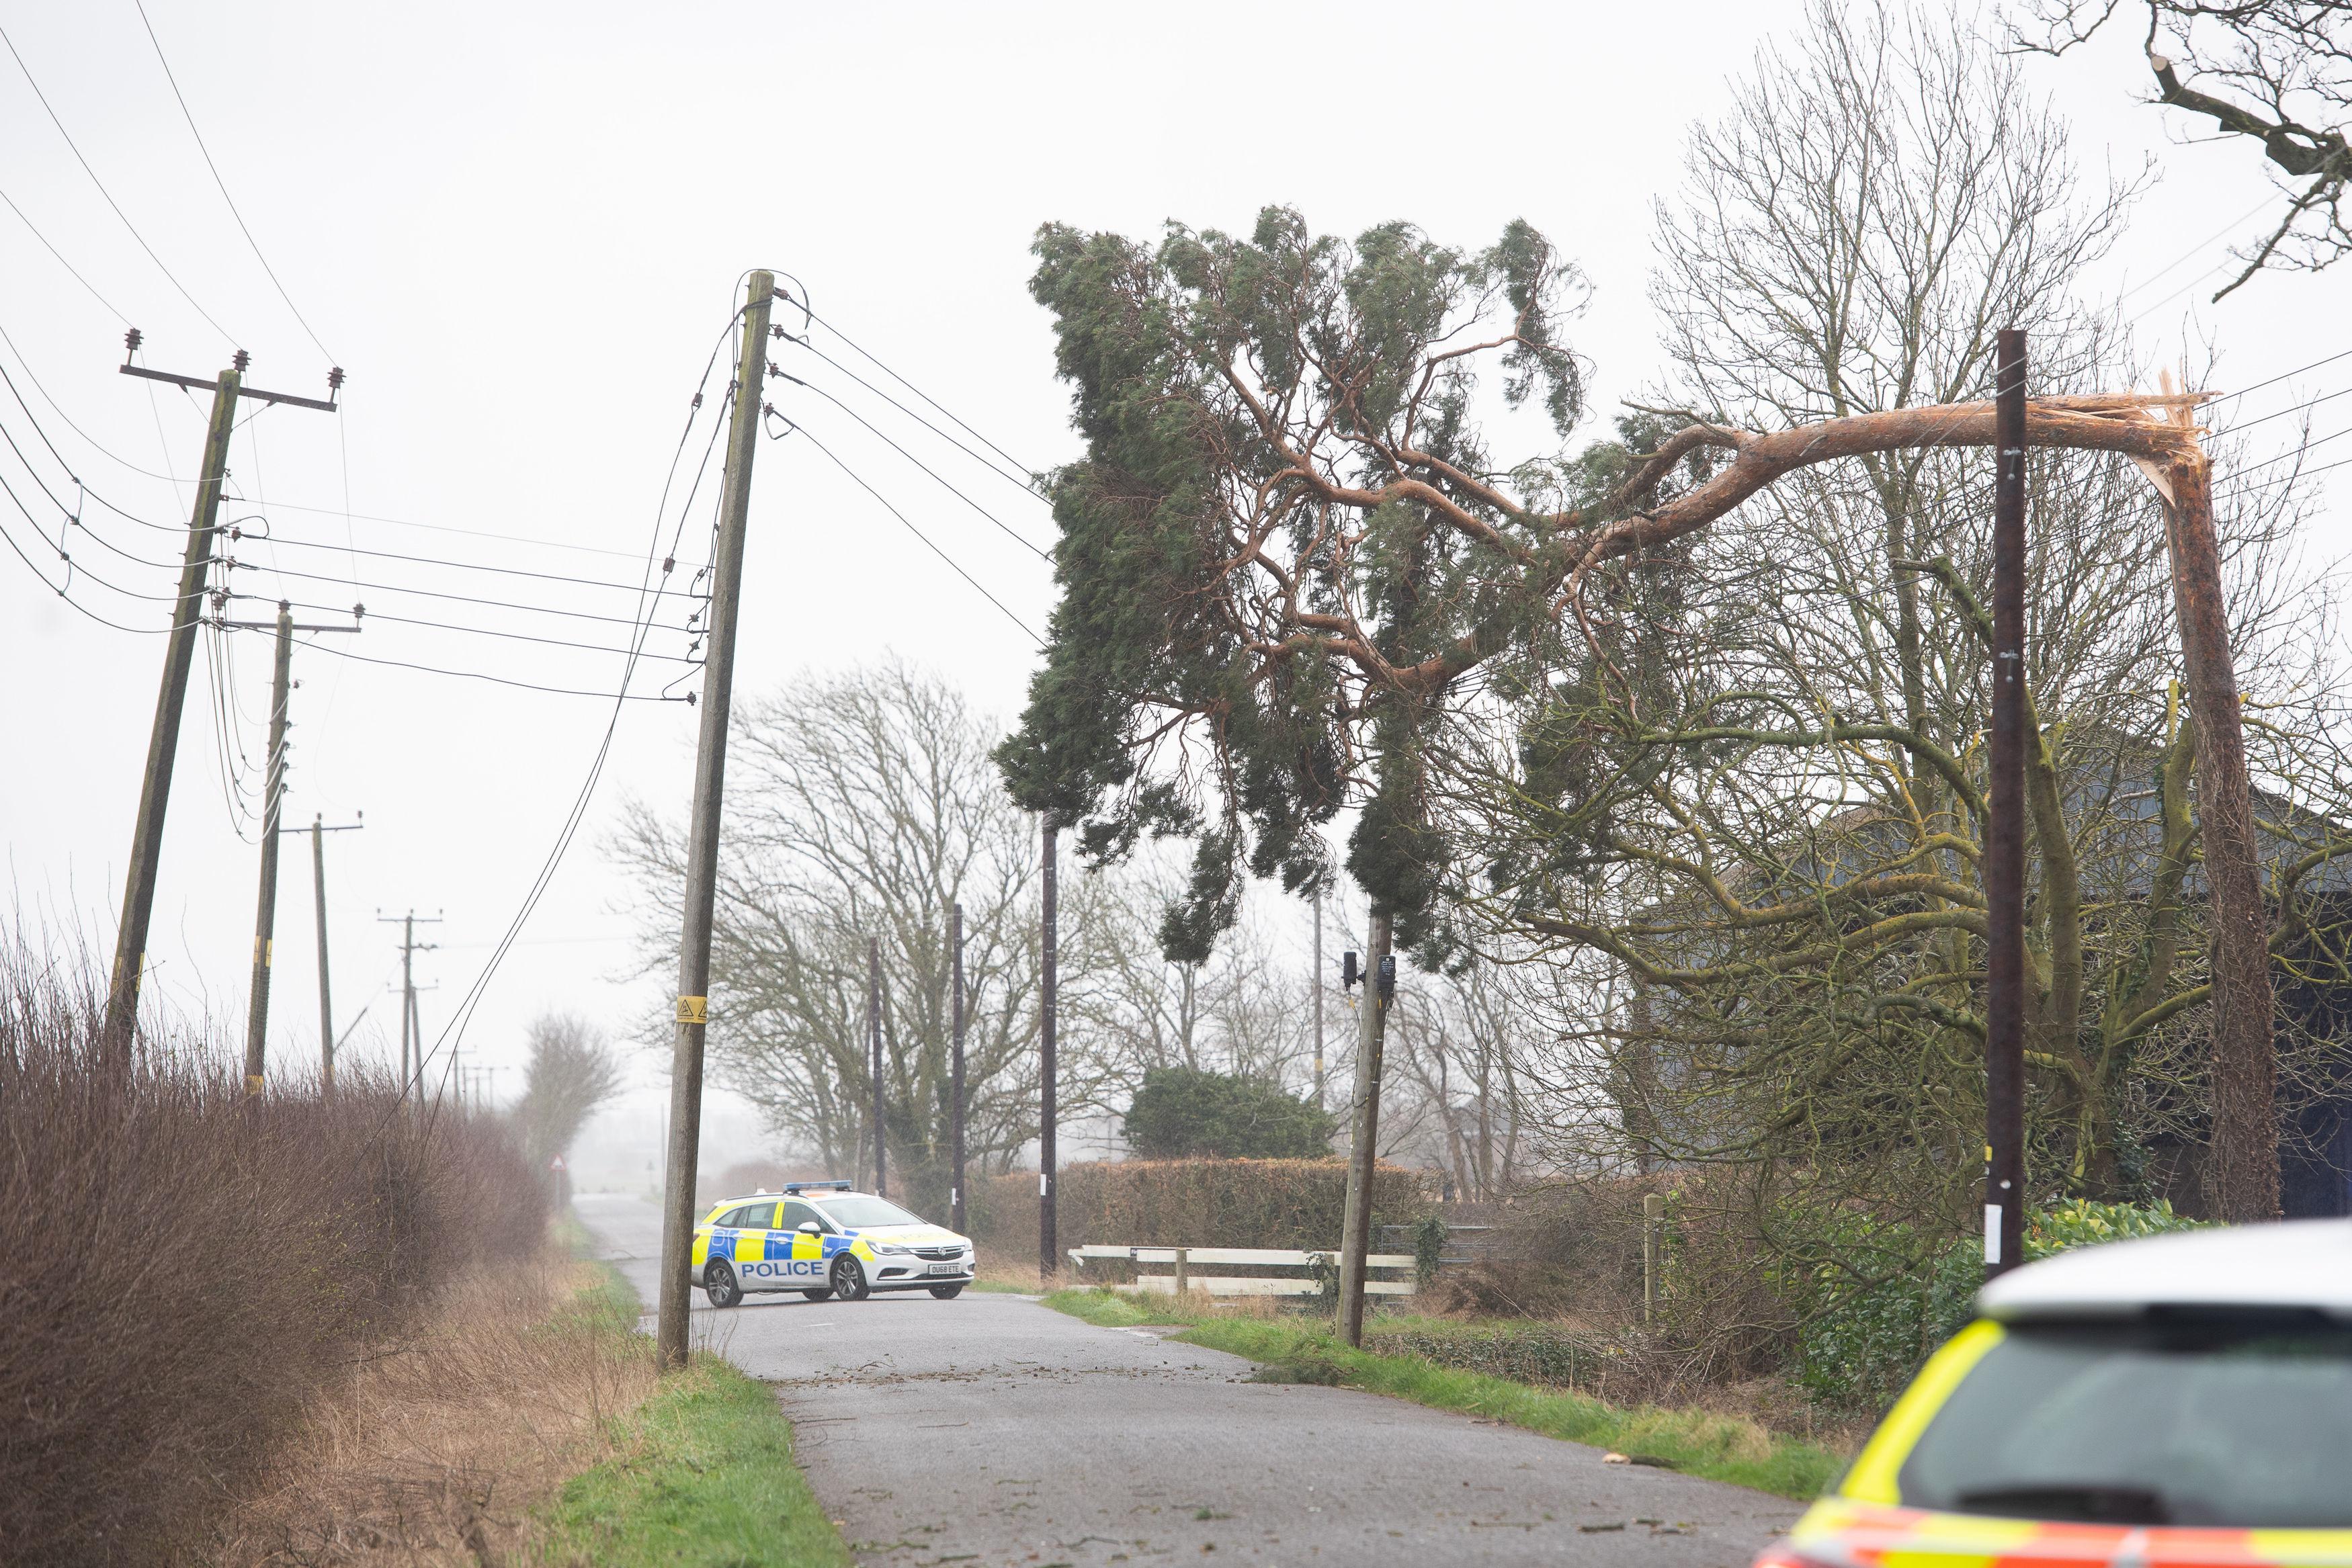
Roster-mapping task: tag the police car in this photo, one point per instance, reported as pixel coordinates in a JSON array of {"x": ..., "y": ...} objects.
[
  {"x": 2185, "y": 1399},
  {"x": 824, "y": 1239}
]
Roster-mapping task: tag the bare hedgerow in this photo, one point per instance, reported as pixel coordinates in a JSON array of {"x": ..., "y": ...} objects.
[{"x": 180, "y": 1264}]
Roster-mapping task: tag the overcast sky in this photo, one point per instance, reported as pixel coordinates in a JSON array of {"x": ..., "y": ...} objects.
[{"x": 519, "y": 229}]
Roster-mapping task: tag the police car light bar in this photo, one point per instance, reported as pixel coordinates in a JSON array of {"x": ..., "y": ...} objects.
[{"x": 798, "y": 1186}]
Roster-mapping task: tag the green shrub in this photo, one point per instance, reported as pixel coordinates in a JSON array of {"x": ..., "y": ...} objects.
[
  {"x": 1185, "y": 1112},
  {"x": 1864, "y": 1338}
]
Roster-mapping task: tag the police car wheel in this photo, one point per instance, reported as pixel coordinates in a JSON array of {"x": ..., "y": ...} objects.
[
  {"x": 947, "y": 1292},
  {"x": 823, "y": 1295},
  {"x": 718, "y": 1282},
  {"x": 849, "y": 1279}
]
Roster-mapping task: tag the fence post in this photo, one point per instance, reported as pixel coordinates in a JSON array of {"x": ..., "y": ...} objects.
[
  {"x": 1183, "y": 1272},
  {"x": 1654, "y": 1213}
]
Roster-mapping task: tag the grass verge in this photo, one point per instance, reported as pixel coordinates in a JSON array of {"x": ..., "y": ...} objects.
[
  {"x": 1299, "y": 1348},
  {"x": 703, "y": 1474}
]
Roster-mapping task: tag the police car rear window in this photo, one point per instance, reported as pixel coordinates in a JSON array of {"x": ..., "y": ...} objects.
[{"x": 2238, "y": 1419}]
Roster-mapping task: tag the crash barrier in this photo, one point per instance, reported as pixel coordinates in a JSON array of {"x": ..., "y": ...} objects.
[{"x": 1324, "y": 1263}]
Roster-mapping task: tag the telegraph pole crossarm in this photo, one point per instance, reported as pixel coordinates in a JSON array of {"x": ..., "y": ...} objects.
[{"x": 702, "y": 835}]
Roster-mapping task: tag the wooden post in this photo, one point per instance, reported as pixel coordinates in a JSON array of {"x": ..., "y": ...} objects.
[
  {"x": 1654, "y": 1212},
  {"x": 1049, "y": 1260},
  {"x": 955, "y": 1070},
  {"x": 164, "y": 742},
  {"x": 2004, "y": 845},
  {"x": 673, "y": 1285},
  {"x": 1183, "y": 1272},
  {"x": 264, "y": 920},
  {"x": 1364, "y": 1110}
]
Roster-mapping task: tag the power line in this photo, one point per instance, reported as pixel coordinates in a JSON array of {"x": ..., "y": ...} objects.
[
  {"x": 26, "y": 366},
  {"x": 469, "y": 565},
  {"x": 68, "y": 265},
  {"x": 918, "y": 533},
  {"x": 477, "y": 630},
  {"x": 372, "y": 588},
  {"x": 1019, "y": 483},
  {"x": 2258, "y": 386},
  {"x": 951, "y": 489},
  {"x": 918, "y": 392},
  {"x": 350, "y": 515},
  {"x": 607, "y": 696},
  {"x": 102, "y": 191},
  {"x": 191, "y": 119},
  {"x": 114, "y": 625},
  {"x": 463, "y": 1015}
]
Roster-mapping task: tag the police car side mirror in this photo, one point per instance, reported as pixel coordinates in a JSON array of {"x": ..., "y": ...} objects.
[{"x": 811, "y": 1227}]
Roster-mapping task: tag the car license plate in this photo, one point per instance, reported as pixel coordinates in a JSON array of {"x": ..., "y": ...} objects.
[{"x": 944, "y": 1268}]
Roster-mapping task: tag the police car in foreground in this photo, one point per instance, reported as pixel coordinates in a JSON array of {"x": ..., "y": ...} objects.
[
  {"x": 2182, "y": 1400},
  {"x": 823, "y": 1239}
]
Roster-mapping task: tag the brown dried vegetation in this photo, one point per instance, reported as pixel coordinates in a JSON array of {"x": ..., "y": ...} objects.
[{"x": 181, "y": 1268}]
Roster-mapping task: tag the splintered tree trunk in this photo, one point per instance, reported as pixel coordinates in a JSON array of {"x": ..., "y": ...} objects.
[{"x": 2241, "y": 1169}]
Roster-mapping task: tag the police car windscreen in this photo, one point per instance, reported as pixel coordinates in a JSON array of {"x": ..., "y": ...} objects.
[
  {"x": 2189, "y": 1419},
  {"x": 860, "y": 1210}
]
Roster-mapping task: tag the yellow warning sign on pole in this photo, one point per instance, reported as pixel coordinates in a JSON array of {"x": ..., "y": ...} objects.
[{"x": 694, "y": 1010}]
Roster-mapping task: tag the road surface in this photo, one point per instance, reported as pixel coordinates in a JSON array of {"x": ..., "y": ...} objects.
[{"x": 990, "y": 1430}]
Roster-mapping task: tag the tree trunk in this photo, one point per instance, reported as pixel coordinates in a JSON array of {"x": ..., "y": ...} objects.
[{"x": 2242, "y": 1167}]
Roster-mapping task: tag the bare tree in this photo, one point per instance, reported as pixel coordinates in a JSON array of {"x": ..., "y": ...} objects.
[
  {"x": 572, "y": 1072},
  {"x": 860, "y": 808},
  {"x": 2286, "y": 68},
  {"x": 1748, "y": 807}
]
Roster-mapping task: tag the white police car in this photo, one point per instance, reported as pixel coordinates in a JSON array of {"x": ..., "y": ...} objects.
[{"x": 823, "y": 1239}]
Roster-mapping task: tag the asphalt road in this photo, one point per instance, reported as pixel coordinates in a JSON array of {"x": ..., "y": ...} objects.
[{"x": 989, "y": 1430}]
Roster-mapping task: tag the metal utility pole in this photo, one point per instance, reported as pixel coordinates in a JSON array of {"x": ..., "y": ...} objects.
[
  {"x": 702, "y": 840},
  {"x": 955, "y": 1068},
  {"x": 874, "y": 1048},
  {"x": 179, "y": 655},
  {"x": 1048, "y": 1255},
  {"x": 411, "y": 1034},
  {"x": 1364, "y": 1119},
  {"x": 1318, "y": 999},
  {"x": 319, "y": 830},
  {"x": 2004, "y": 861},
  {"x": 265, "y": 919}
]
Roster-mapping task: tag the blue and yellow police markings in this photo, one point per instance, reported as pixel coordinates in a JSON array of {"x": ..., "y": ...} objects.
[{"x": 774, "y": 1257}]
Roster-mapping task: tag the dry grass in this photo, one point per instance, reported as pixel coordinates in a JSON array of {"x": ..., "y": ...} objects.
[
  {"x": 183, "y": 1268},
  {"x": 436, "y": 1449}
]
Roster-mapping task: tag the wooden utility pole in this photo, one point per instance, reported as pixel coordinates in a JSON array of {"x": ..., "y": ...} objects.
[
  {"x": 179, "y": 655},
  {"x": 411, "y": 1034},
  {"x": 955, "y": 1069},
  {"x": 265, "y": 919},
  {"x": 702, "y": 837},
  {"x": 163, "y": 740},
  {"x": 327, "y": 1041},
  {"x": 1048, "y": 1255},
  {"x": 1364, "y": 1121},
  {"x": 874, "y": 1053},
  {"x": 2004, "y": 854},
  {"x": 1318, "y": 999}
]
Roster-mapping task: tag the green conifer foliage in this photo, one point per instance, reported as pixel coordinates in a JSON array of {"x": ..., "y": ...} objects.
[{"x": 1287, "y": 545}]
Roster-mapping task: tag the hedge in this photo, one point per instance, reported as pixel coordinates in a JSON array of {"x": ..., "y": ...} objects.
[{"x": 1193, "y": 1203}]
